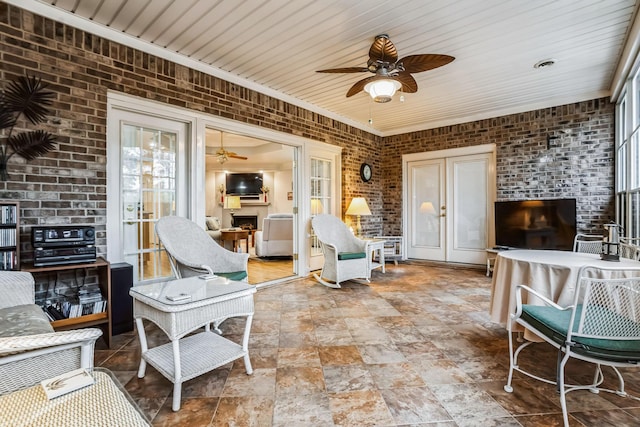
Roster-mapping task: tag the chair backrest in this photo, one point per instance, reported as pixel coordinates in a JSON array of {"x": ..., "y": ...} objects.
[
  {"x": 188, "y": 245},
  {"x": 608, "y": 308},
  {"x": 588, "y": 243},
  {"x": 278, "y": 227},
  {"x": 629, "y": 251},
  {"x": 331, "y": 230}
]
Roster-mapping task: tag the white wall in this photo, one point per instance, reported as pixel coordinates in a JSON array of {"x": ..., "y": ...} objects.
[{"x": 282, "y": 184}]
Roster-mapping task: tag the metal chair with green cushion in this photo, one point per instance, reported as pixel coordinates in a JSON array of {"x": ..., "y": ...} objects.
[
  {"x": 345, "y": 256},
  {"x": 588, "y": 243},
  {"x": 601, "y": 326}
]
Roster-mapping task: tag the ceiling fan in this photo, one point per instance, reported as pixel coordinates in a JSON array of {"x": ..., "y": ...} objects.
[
  {"x": 224, "y": 155},
  {"x": 391, "y": 74}
]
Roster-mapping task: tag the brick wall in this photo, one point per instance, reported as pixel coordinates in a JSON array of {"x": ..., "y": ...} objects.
[
  {"x": 69, "y": 184},
  {"x": 579, "y": 163}
]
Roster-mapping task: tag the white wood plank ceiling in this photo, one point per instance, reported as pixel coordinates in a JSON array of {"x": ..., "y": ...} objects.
[{"x": 276, "y": 46}]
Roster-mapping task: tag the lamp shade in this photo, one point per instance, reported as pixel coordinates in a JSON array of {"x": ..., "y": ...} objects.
[
  {"x": 382, "y": 90},
  {"x": 232, "y": 202},
  {"x": 316, "y": 206},
  {"x": 358, "y": 206}
]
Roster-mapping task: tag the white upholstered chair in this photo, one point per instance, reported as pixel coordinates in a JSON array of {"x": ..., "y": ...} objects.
[
  {"x": 30, "y": 350},
  {"x": 193, "y": 253},
  {"x": 588, "y": 243},
  {"x": 276, "y": 236},
  {"x": 345, "y": 256}
]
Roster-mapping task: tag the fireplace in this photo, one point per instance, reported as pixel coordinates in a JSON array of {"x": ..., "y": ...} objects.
[{"x": 246, "y": 222}]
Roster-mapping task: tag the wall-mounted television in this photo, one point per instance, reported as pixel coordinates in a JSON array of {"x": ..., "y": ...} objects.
[
  {"x": 244, "y": 184},
  {"x": 536, "y": 224}
]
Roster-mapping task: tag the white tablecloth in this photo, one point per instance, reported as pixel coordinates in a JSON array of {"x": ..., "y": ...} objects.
[{"x": 552, "y": 273}]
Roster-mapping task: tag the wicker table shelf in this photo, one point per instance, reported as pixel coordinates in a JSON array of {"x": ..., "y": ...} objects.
[{"x": 209, "y": 301}]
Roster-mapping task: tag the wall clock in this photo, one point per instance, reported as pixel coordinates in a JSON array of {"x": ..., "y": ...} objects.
[{"x": 365, "y": 172}]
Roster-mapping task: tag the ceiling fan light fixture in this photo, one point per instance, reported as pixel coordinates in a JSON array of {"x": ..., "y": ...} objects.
[{"x": 382, "y": 90}]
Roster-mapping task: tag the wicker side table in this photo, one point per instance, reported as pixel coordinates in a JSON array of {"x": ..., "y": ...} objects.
[
  {"x": 209, "y": 301},
  {"x": 104, "y": 403}
]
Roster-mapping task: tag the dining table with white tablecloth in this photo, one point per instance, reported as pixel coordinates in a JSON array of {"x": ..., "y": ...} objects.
[{"x": 551, "y": 273}]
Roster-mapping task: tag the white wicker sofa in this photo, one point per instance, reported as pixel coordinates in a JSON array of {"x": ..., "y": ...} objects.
[{"x": 30, "y": 350}]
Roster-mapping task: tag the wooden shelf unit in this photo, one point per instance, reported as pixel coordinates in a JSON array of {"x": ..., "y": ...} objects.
[
  {"x": 103, "y": 320},
  {"x": 9, "y": 235}
]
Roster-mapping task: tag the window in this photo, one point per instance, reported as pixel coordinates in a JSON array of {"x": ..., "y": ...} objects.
[{"x": 628, "y": 159}]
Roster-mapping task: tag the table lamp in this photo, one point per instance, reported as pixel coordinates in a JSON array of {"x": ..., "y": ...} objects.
[
  {"x": 232, "y": 202},
  {"x": 358, "y": 207}
]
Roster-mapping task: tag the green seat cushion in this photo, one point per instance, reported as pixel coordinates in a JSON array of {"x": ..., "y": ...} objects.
[
  {"x": 554, "y": 324},
  {"x": 234, "y": 275},
  {"x": 351, "y": 255}
]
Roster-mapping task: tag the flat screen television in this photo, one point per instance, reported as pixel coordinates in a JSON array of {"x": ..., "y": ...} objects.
[
  {"x": 536, "y": 224},
  {"x": 244, "y": 184}
]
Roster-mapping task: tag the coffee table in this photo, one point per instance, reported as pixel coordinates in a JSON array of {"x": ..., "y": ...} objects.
[
  {"x": 208, "y": 301},
  {"x": 235, "y": 236}
]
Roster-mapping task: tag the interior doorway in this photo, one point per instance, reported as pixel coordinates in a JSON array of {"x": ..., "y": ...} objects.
[{"x": 249, "y": 180}]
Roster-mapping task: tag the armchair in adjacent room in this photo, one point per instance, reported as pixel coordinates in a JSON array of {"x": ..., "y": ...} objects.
[
  {"x": 192, "y": 252},
  {"x": 30, "y": 350},
  {"x": 213, "y": 228},
  {"x": 276, "y": 236},
  {"x": 345, "y": 256}
]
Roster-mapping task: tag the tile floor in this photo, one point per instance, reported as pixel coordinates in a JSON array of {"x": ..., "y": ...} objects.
[{"x": 413, "y": 348}]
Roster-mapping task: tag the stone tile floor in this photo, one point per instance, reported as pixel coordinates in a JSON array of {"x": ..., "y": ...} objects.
[{"x": 415, "y": 347}]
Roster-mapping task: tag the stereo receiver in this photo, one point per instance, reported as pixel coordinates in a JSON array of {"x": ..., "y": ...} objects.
[
  {"x": 62, "y": 236},
  {"x": 63, "y": 245}
]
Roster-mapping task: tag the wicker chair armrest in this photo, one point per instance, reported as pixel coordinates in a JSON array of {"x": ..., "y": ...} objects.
[{"x": 31, "y": 342}]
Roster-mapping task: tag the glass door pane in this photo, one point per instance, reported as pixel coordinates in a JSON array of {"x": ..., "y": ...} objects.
[
  {"x": 148, "y": 165},
  {"x": 320, "y": 196}
]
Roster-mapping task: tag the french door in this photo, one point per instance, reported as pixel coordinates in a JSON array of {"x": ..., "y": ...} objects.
[
  {"x": 324, "y": 181},
  {"x": 151, "y": 172},
  {"x": 449, "y": 204}
]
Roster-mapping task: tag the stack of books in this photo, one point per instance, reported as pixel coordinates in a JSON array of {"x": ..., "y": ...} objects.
[{"x": 8, "y": 215}]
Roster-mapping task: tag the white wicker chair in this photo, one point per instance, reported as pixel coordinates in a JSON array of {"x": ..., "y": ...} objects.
[
  {"x": 192, "y": 252},
  {"x": 601, "y": 326},
  {"x": 345, "y": 256},
  {"x": 25, "y": 360},
  {"x": 588, "y": 243}
]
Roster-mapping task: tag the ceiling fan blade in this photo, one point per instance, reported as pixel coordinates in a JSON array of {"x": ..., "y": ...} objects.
[
  {"x": 235, "y": 156},
  {"x": 409, "y": 84},
  {"x": 344, "y": 70},
  {"x": 359, "y": 85},
  {"x": 419, "y": 63},
  {"x": 383, "y": 50}
]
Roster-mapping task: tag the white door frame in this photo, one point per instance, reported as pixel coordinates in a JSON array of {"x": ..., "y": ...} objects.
[
  {"x": 452, "y": 152},
  {"x": 196, "y": 141}
]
